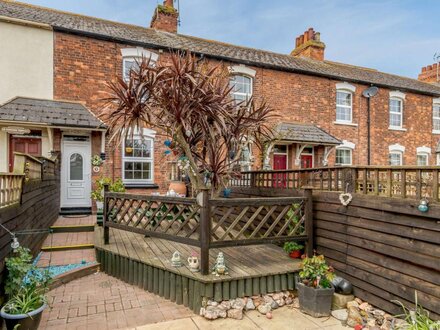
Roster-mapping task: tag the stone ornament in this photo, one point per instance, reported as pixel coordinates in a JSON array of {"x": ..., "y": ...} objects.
[
  {"x": 220, "y": 265},
  {"x": 176, "y": 260},
  {"x": 345, "y": 198},
  {"x": 193, "y": 263}
]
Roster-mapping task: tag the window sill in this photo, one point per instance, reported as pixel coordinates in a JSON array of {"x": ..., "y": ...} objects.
[
  {"x": 140, "y": 185},
  {"x": 397, "y": 129},
  {"x": 345, "y": 123},
  {"x": 435, "y": 132}
]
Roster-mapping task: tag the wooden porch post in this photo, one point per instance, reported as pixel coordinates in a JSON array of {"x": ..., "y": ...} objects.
[
  {"x": 104, "y": 217},
  {"x": 308, "y": 209},
  {"x": 205, "y": 232}
]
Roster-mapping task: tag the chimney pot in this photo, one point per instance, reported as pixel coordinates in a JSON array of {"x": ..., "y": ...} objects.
[
  {"x": 165, "y": 18},
  {"x": 169, "y": 3},
  {"x": 309, "y": 44}
]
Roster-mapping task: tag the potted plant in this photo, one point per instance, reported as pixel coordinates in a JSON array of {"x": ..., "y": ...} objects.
[
  {"x": 293, "y": 249},
  {"x": 25, "y": 287},
  {"x": 315, "y": 290},
  {"x": 98, "y": 194}
]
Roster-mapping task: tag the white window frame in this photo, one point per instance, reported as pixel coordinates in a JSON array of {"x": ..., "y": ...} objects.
[
  {"x": 396, "y": 149},
  {"x": 424, "y": 152},
  {"x": 147, "y": 134},
  {"x": 396, "y": 96},
  {"x": 346, "y": 145},
  {"x": 135, "y": 54},
  {"x": 247, "y": 96},
  {"x": 348, "y": 89},
  {"x": 399, "y": 154},
  {"x": 436, "y": 119},
  {"x": 438, "y": 159}
]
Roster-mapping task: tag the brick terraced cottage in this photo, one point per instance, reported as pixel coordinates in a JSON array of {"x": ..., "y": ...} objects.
[{"x": 323, "y": 113}]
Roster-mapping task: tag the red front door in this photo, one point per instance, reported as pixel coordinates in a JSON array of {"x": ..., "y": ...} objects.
[
  {"x": 30, "y": 146},
  {"x": 306, "y": 161},
  {"x": 279, "y": 163}
]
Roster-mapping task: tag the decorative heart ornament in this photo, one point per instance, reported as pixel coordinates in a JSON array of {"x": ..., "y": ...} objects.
[{"x": 345, "y": 198}]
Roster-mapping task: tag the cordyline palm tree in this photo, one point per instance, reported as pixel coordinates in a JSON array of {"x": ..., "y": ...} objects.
[{"x": 190, "y": 103}]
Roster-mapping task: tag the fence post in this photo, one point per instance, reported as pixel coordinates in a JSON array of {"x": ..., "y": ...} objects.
[
  {"x": 104, "y": 217},
  {"x": 205, "y": 231},
  {"x": 308, "y": 213}
]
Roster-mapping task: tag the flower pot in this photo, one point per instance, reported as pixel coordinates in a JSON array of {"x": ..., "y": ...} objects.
[
  {"x": 315, "y": 302},
  {"x": 99, "y": 206},
  {"x": 28, "y": 321},
  {"x": 178, "y": 186},
  {"x": 295, "y": 254}
]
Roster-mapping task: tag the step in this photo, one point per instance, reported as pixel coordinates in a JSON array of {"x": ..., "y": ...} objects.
[
  {"x": 60, "y": 258},
  {"x": 75, "y": 220},
  {"x": 61, "y": 241},
  {"x": 68, "y": 247},
  {"x": 72, "y": 229},
  {"x": 75, "y": 211}
]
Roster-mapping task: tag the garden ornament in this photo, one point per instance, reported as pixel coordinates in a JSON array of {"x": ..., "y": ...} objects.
[
  {"x": 346, "y": 197},
  {"x": 220, "y": 265},
  {"x": 423, "y": 205},
  {"x": 193, "y": 263},
  {"x": 175, "y": 260}
]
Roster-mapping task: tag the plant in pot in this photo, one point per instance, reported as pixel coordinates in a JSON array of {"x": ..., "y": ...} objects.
[
  {"x": 25, "y": 287},
  {"x": 293, "y": 249},
  {"x": 315, "y": 290},
  {"x": 98, "y": 194}
]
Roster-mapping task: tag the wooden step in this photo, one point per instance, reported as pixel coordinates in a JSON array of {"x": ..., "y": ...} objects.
[
  {"x": 67, "y": 247},
  {"x": 72, "y": 228}
]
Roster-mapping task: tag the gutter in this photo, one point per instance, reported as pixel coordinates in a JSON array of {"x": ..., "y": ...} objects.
[
  {"x": 29, "y": 123},
  {"x": 234, "y": 60}
]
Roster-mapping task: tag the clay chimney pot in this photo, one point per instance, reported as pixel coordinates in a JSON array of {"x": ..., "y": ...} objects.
[{"x": 168, "y": 3}]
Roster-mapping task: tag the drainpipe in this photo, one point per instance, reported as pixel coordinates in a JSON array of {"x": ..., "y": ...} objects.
[{"x": 369, "y": 93}]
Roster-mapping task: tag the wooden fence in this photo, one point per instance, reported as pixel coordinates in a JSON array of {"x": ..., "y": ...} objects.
[
  {"x": 413, "y": 182},
  {"x": 384, "y": 246},
  {"x": 209, "y": 222},
  {"x": 10, "y": 188}
]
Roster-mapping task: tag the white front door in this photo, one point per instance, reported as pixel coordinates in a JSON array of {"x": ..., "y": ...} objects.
[{"x": 76, "y": 172}]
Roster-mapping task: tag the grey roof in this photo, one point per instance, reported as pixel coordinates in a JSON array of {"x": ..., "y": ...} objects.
[
  {"x": 307, "y": 133},
  {"x": 99, "y": 28},
  {"x": 53, "y": 113}
]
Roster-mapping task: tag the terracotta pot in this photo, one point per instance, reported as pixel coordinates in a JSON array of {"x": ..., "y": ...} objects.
[
  {"x": 178, "y": 186},
  {"x": 295, "y": 254}
]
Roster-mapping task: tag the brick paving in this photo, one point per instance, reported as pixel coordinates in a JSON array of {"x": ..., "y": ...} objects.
[
  {"x": 63, "y": 239},
  {"x": 75, "y": 220},
  {"x": 59, "y": 258},
  {"x": 99, "y": 301}
]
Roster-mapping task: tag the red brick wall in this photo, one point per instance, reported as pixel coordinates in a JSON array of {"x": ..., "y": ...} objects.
[
  {"x": 429, "y": 74},
  {"x": 84, "y": 65}
]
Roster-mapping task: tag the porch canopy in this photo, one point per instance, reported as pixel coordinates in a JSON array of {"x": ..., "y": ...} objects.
[
  {"x": 53, "y": 113},
  {"x": 304, "y": 135}
]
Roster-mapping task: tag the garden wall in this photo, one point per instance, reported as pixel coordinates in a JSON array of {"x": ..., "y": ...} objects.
[
  {"x": 38, "y": 209},
  {"x": 384, "y": 246}
]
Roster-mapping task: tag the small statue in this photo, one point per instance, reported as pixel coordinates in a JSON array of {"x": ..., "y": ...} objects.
[
  {"x": 193, "y": 263},
  {"x": 220, "y": 265},
  {"x": 175, "y": 260}
]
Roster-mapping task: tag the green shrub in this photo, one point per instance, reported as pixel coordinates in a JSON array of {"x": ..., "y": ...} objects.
[
  {"x": 292, "y": 246},
  {"x": 315, "y": 272}
]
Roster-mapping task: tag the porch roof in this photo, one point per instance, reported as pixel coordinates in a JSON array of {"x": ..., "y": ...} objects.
[
  {"x": 50, "y": 113},
  {"x": 304, "y": 133}
]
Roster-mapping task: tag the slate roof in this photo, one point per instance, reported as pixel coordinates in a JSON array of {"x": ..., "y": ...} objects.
[
  {"x": 52, "y": 113},
  {"x": 304, "y": 133},
  {"x": 99, "y": 28}
]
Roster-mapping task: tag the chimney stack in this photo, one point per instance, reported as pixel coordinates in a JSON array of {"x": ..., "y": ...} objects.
[
  {"x": 430, "y": 74},
  {"x": 309, "y": 45},
  {"x": 165, "y": 17}
]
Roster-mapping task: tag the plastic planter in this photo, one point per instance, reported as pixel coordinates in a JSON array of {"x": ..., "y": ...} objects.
[
  {"x": 315, "y": 302},
  {"x": 26, "y": 321}
]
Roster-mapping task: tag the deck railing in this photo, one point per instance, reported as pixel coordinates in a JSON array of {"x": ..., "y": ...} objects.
[
  {"x": 390, "y": 181},
  {"x": 209, "y": 223}
]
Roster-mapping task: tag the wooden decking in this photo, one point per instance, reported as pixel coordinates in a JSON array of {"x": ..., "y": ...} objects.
[{"x": 146, "y": 261}]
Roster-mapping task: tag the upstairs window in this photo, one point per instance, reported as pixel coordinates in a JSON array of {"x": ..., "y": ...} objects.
[
  {"x": 422, "y": 159},
  {"x": 241, "y": 88},
  {"x": 436, "y": 117},
  {"x": 131, "y": 58},
  {"x": 344, "y": 107},
  {"x": 396, "y": 110}
]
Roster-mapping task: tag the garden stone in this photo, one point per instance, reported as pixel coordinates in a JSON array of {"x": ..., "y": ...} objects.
[
  {"x": 235, "y": 313},
  {"x": 212, "y": 303},
  {"x": 352, "y": 303},
  {"x": 278, "y": 296},
  {"x": 339, "y": 301},
  {"x": 269, "y": 315},
  {"x": 289, "y": 301},
  {"x": 280, "y": 302},
  {"x": 238, "y": 303},
  {"x": 365, "y": 307},
  {"x": 274, "y": 304},
  {"x": 371, "y": 323},
  {"x": 354, "y": 318},
  {"x": 359, "y": 301},
  {"x": 340, "y": 314},
  {"x": 268, "y": 299},
  {"x": 264, "y": 308},
  {"x": 250, "y": 305},
  {"x": 225, "y": 304},
  {"x": 295, "y": 303},
  {"x": 386, "y": 325},
  {"x": 258, "y": 301}
]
